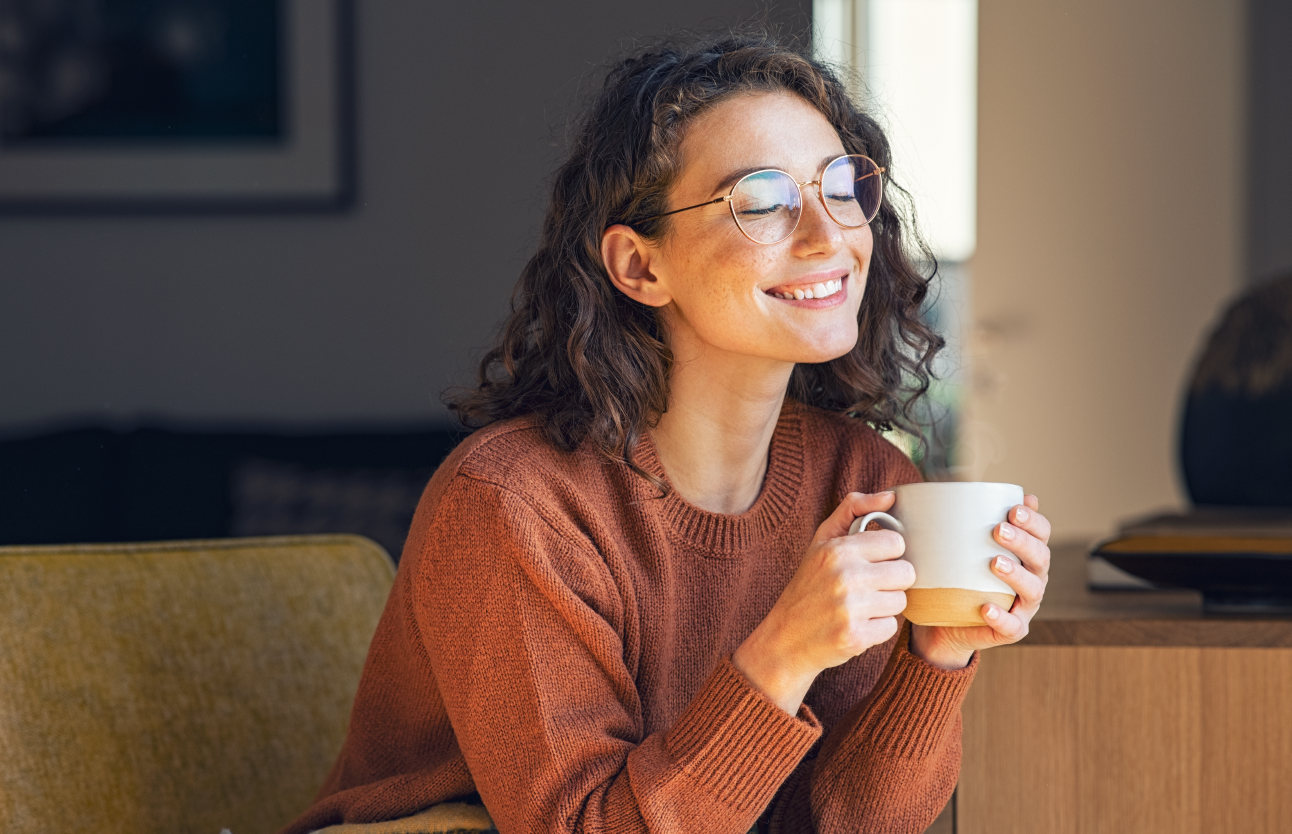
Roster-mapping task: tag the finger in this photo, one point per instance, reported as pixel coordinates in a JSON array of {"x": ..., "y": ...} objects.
[
  {"x": 853, "y": 506},
  {"x": 1030, "y": 550},
  {"x": 1031, "y": 520},
  {"x": 880, "y": 546},
  {"x": 1007, "y": 627},
  {"x": 872, "y": 632},
  {"x": 875, "y": 546},
  {"x": 1032, "y": 502},
  {"x": 885, "y": 604},
  {"x": 852, "y": 556},
  {"x": 1029, "y": 587},
  {"x": 897, "y": 575}
]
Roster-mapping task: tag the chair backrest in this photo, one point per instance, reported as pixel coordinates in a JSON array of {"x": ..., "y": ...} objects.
[{"x": 179, "y": 686}]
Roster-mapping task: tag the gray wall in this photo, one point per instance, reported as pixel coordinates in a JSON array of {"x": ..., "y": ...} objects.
[{"x": 357, "y": 317}]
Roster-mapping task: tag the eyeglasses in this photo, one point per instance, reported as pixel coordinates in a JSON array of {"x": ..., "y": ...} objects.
[{"x": 767, "y": 205}]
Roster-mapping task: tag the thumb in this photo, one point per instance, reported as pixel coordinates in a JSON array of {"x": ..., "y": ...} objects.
[{"x": 853, "y": 506}]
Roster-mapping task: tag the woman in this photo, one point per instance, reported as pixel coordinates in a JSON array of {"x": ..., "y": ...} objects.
[{"x": 629, "y": 602}]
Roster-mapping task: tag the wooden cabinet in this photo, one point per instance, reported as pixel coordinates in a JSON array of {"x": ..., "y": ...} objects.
[{"x": 1130, "y": 712}]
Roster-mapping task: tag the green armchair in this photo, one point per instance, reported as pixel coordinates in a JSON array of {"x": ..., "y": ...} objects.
[{"x": 179, "y": 686}]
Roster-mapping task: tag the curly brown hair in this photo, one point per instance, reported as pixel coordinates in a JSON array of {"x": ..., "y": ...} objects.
[{"x": 593, "y": 363}]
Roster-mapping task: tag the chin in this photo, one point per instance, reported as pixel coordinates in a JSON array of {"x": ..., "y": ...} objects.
[{"x": 819, "y": 353}]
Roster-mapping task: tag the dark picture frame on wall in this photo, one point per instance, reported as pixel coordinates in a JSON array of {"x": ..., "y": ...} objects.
[{"x": 176, "y": 106}]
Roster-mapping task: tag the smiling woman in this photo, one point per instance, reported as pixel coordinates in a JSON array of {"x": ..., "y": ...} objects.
[{"x": 630, "y": 602}]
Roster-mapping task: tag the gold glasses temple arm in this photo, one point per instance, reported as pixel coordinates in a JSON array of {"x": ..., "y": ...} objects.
[{"x": 688, "y": 208}]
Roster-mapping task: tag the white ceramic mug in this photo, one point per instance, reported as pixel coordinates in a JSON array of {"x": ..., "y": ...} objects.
[{"x": 948, "y": 531}]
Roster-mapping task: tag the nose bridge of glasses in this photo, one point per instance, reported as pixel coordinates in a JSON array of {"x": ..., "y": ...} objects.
[{"x": 820, "y": 194}]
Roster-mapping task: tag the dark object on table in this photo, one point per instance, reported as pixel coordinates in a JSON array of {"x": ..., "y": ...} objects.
[
  {"x": 1236, "y": 436},
  {"x": 97, "y": 485},
  {"x": 1239, "y": 558}
]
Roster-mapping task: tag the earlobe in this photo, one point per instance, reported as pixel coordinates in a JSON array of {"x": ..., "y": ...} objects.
[{"x": 627, "y": 256}]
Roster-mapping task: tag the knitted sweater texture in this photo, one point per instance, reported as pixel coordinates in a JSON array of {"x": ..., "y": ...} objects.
[{"x": 558, "y": 640}]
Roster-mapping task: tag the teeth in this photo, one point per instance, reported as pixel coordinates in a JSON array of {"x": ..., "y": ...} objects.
[{"x": 824, "y": 289}]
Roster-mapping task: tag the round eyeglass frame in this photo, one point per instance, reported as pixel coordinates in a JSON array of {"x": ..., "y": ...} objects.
[{"x": 730, "y": 197}]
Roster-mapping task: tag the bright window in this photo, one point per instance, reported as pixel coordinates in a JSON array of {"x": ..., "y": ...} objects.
[{"x": 918, "y": 64}]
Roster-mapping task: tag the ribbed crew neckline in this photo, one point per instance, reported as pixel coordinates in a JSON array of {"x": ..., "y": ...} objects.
[{"x": 732, "y": 535}]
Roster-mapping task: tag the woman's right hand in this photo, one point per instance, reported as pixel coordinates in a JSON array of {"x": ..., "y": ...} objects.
[{"x": 844, "y": 598}]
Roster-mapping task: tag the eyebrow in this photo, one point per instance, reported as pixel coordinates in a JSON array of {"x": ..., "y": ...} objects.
[{"x": 735, "y": 176}]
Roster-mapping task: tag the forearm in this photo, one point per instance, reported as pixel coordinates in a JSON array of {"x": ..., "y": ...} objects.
[
  {"x": 761, "y": 661},
  {"x": 712, "y": 771},
  {"x": 891, "y": 763}
]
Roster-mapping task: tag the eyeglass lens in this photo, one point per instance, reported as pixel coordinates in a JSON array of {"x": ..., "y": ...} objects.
[{"x": 767, "y": 204}]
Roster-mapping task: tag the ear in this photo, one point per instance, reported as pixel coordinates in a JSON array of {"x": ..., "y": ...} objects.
[{"x": 627, "y": 256}]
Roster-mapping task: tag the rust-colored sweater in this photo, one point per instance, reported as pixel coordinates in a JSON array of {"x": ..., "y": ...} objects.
[{"x": 558, "y": 640}]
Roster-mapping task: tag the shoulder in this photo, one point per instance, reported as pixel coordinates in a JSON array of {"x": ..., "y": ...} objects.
[
  {"x": 508, "y": 502},
  {"x": 510, "y": 453},
  {"x": 859, "y": 454},
  {"x": 513, "y": 463}
]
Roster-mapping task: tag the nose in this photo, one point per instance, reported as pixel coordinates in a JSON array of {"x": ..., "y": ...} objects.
[{"x": 817, "y": 232}]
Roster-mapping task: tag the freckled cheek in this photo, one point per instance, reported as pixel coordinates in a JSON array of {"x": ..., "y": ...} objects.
[
  {"x": 864, "y": 248},
  {"x": 735, "y": 269}
]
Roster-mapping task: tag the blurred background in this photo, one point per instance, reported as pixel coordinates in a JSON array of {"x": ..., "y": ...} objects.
[{"x": 244, "y": 246}]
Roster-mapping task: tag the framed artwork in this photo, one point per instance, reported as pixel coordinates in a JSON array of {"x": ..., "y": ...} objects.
[{"x": 175, "y": 105}]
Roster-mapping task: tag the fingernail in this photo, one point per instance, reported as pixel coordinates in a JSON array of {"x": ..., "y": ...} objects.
[
  {"x": 1006, "y": 531},
  {"x": 1004, "y": 564},
  {"x": 1020, "y": 515},
  {"x": 885, "y": 492},
  {"x": 992, "y": 612}
]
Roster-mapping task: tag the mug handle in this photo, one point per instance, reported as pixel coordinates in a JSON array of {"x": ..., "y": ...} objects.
[{"x": 884, "y": 519}]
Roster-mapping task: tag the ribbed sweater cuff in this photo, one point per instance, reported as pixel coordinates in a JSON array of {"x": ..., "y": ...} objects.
[
  {"x": 736, "y": 743},
  {"x": 918, "y": 701}
]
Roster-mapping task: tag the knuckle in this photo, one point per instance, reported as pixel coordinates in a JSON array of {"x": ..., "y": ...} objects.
[
  {"x": 851, "y": 638},
  {"x": 832, "y": 556}
]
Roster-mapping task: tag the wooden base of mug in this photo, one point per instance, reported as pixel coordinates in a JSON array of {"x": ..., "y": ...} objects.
[{"x": 951, "y": 606}]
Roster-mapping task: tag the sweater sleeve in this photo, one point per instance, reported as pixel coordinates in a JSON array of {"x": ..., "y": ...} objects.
[
  {"x": 892, "y": 763},
  {"x": 524, "y": 630}
]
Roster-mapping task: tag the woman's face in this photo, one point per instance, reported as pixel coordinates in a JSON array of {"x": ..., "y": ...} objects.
[{"x": 724, "y": 291}]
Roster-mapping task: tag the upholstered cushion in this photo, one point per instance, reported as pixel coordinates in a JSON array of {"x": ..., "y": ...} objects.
[{"x": 181, "y": 686}]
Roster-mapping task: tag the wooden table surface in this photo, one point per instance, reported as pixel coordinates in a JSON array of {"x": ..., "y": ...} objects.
[
  {"x": 1072, "y": 615},
  {"x": 1130, "y": 711}
]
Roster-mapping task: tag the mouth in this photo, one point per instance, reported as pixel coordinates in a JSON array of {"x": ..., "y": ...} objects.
[{"x": 832, "y": 289}]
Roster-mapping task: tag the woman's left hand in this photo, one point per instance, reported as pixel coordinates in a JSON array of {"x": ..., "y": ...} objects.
[{"x": 1027, "y": 537}]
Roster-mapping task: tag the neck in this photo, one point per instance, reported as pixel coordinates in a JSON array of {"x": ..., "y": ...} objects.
[{"x": 713, "y": 441}]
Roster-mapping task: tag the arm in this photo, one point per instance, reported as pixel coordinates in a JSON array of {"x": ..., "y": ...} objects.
[
  {"x": 891, "y": 763},
  {"x": 525, "y": 631},
  {"x": 906, "y": 733}
]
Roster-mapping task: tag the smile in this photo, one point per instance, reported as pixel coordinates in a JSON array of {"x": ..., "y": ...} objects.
[{"x": 824, "y": 289}]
